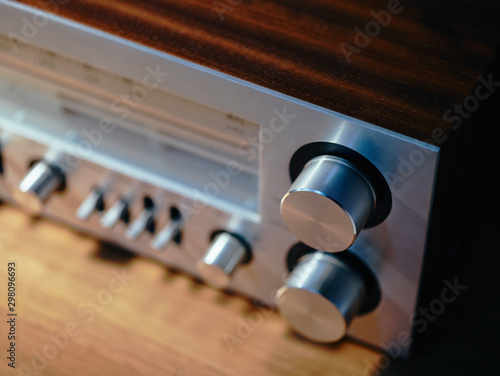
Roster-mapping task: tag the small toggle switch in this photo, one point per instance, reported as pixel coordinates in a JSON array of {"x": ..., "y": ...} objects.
[
  {"x": 171, "y": 232},
  {"x": 1, "y": 158},
  {"x": 145, "y": 222},
  {"x": 118, "y": 212},
  {"x": 93, "y": 202}
]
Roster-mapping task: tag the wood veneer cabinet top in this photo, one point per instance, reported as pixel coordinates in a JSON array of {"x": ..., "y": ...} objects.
[{"x": 405, "y": 74}]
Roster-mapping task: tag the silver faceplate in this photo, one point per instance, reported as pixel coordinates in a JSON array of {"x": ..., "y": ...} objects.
[{"x": 59, "y": 78}]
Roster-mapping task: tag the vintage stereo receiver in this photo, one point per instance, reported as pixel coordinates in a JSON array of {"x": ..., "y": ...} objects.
[{"x": 305, "y": 155}]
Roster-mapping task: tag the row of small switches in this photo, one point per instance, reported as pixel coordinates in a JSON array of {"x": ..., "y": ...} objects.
[
  {"x": 226, "y": 253},
  {"x": 145, "y": 222}
]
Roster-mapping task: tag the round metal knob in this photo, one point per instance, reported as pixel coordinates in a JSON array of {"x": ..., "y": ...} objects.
[
  {"x": 321, "y": 297},
  {"x": 41, "y": 182},
  {"x": 328, "y": 204},
  {"x": 225, "y": 254}
]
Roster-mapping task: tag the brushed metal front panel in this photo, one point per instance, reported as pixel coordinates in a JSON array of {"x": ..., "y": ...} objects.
[{"x": 244, "y": 173}]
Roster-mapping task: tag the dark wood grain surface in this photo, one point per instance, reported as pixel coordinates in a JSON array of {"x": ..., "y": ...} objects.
[{"x": 416, "y": 66}]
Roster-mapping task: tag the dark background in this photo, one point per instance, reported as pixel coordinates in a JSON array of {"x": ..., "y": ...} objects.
[{"x": 464, "y": 339}]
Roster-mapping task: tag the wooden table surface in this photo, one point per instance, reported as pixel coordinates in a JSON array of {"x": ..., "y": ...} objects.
[{"x": 88, "y": 309}]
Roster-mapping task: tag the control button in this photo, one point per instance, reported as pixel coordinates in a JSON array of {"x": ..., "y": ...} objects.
[
  {"x": 321, "y": 297},
  {"x": 94, "y": 202},
  {"x": 168, "y": 234},
  {"x": 328, "y": 204},
  {"x": 41, "y": 182},
  {"x": 225, "y": 254},
  {"x": 1, "y": 158},
  {"x": 119, "y": 211},
  {"x": 145, "y": 222},
  {"x": 171, "y": 232}
]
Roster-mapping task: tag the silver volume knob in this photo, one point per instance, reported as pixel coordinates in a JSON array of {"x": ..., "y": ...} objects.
[
  {"x": 321, "y": 297},
  {"x": 328, "y": 204},
  {"x": 41, "y": 182},
  {"x": 225, "y": 254}
]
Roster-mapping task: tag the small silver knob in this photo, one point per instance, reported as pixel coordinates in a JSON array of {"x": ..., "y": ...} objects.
[
  {"x": 225, "y": 254},
  {"x": 328, "y": 204},
  {"x": 41, "y": 182},
  {"x": 321, "y": 297}
]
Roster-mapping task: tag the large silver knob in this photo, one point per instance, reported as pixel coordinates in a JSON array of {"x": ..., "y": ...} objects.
[
  {"x": 321, "y": 297},
  {"x": 41, "y": 182},
  {"x": 328, "y": 204},
  {"x": 225, "y": 254}
]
